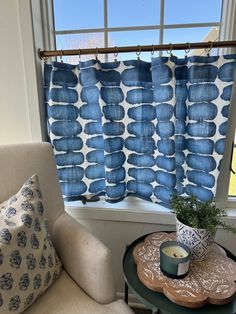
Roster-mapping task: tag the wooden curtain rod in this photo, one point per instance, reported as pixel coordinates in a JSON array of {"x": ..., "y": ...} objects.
[{"x": 44, "y": 54}]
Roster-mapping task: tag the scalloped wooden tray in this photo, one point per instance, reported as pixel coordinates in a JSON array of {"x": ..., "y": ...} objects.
[{"x": 210, "y": 281}]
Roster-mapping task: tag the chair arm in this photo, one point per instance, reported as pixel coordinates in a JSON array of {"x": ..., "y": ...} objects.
[{"x": 86, "y": 259}]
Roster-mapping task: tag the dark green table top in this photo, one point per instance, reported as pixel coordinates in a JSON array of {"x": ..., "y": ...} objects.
[{"x": 157, "y": 300}]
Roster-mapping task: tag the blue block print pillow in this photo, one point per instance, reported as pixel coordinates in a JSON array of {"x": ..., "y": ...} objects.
[{"x": 28, "y": 261}]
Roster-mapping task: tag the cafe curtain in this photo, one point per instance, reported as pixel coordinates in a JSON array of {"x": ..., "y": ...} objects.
[{"x": 146, "y": 129}]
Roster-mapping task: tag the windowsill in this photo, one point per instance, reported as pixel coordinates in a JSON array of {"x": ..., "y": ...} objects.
[
  {"x": 231, "y": 213},
  {"x": 128, "y": 210},
  {"x": 231, "y": 207}
]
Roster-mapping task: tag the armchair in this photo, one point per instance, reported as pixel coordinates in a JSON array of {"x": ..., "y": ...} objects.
[{"x": 86, "y": 283}]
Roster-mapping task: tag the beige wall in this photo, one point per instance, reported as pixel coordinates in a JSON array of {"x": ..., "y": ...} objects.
[
  {"x": 19, "y": 118},
  {"x": 14, "y": 117}
]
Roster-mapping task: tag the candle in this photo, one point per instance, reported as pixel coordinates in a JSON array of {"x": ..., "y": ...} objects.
[
  {"x": 175, "y": 251},
  {"x": 174, "y": 259}
]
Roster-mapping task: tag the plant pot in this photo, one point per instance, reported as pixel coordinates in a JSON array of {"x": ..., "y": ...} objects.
[{"x": 198, "y": 240}]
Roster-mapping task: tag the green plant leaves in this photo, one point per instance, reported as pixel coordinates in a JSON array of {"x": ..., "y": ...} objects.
[{"x": 201, "y": 215}]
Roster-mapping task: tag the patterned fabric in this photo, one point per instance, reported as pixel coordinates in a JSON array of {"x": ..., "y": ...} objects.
[
  {"x": 139, "y": 128},
  {"x": 28, "y": 261}
]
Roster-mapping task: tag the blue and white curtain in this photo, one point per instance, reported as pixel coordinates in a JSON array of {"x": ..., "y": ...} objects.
[{"x": 148, "y": 129}]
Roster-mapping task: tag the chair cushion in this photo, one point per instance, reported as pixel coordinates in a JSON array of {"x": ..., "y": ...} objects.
[
  {"x": 65, "y": 296},
  {"x": 28, "y": 261}
]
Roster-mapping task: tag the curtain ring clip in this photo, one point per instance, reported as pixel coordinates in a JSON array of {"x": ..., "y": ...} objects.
[
  {"x": 96, "y": 55},
  {"x": 116, "y": 54},
  {"x": 79, "y": 54},
  {"x": 209, "y": 50},
  {"x": 61, "y": 56},
  {"x": 138, "y": 52},
  {"x": 45, "y": 59},
  {"x": 170, "y": 51},
  {"x": 187, "y": 50},
  {"x": 153, "y": 50}
]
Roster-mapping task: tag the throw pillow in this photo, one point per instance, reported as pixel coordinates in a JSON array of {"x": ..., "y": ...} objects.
[{"x": 28, "y": 261}]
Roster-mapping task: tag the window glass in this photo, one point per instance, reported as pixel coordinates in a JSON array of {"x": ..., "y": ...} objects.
[
  {"x": 192, "y": 11},
  {"x": 78, "y": 14},
  {"x": 232, "y": 181},
  {"x": 133, "y": 12},
  {"x": 79, "y": 41},
  {"x": 183, "y": 35},
  {"x": 132, "y": 38}
]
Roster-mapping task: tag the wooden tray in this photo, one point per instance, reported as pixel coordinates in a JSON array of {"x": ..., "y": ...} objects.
[{"x": 210, "y": 281}]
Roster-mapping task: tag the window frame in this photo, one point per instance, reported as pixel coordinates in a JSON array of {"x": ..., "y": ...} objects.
[
  {"x": 106, "y": 30},
  {"x": 222, "y": 196},
  {"x": 227, "y": 31}
]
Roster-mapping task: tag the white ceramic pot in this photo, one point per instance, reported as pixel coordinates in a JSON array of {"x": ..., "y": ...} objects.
[{"x": 198, "y": 240}]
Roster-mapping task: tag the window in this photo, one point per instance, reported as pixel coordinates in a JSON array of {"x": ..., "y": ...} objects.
[
  {"x": 232, "y": 172},
  {"x": 232, "y": 185},
  {"x": 103, "y": 23}
]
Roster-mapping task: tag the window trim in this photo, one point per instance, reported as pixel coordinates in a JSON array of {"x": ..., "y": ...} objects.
[
  {"x": 222, "y": 197},
  {"x": 227, "y": 32}
]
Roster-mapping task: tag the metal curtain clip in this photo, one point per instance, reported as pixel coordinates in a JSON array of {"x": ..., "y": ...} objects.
[
  {"x": 153, "y": 50},
  {"x": 45, "y": 59},
  {"x": 79, "y": 54},
  {"x": 187, "y": 50},
  {"x": 138, "y": 52},
  {"x": 116, "y": 54},
  {"x": 209, "y": 50},
  {"x": 61, "y": 56},
  {"x": 96, "y": 55},
  {"x": 170, "y": 51}
]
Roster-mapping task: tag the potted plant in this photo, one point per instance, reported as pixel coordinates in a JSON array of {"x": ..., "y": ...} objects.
[{"x": 197, "y": 222}]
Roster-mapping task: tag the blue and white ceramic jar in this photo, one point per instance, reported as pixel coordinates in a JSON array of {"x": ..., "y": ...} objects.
[{"x": 198, "y": 240}]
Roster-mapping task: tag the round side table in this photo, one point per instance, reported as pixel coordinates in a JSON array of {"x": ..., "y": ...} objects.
[{"x": 156, "y": 301}]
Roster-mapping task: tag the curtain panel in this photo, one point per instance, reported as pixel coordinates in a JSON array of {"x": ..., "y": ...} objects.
[{"x": 147, "y": 129}]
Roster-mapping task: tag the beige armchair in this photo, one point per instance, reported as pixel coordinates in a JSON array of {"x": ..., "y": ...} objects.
[{"x": 86, "y": 284}]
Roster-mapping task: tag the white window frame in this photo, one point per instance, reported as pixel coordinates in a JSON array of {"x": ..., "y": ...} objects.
[
  {"x": 227, "y": 32},
  {"x": 161, "y": 27}
]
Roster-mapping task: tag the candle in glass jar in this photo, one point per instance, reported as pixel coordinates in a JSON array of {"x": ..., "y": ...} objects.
[{"x": 174, "y": 259}]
